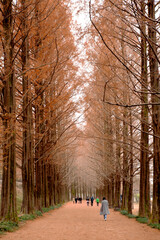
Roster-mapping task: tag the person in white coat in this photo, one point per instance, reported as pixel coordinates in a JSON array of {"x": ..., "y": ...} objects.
[{"x": 104, "y": 208}]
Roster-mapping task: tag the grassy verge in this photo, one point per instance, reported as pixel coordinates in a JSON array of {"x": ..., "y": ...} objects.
[
  {"x": 6, "y": 226},
  {"x": 140, "y": 219},
  {"x": 124, "y": 212},
  {"x": 154, "y": 225}
]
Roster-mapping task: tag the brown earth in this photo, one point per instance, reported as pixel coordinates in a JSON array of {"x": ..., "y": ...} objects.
[{"x": 79, "y": 222}]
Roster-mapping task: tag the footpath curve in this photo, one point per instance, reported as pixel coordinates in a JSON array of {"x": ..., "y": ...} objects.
[{"x": 79, "y": 222}]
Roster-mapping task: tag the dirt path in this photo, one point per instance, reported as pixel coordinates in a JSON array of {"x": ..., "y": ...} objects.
[{"x": 80, "y": 222}]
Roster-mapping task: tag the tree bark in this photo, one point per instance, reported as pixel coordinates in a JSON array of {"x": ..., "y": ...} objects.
[
  {"x": 118, "y": 166},
  {"x": 144, "y": 204},
  {"x": 130, "y": 190},
  {"x": 154, "y": 76},
  {"x": 125, "y": 158},
  {"x": 8, "y": 194},
  {"x": 38, "y": 119},
  {"x": 27, "y": 155}
]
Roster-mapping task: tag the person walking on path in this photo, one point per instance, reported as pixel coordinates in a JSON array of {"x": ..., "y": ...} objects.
[
  {"x": 87, "y": 200},
  {"x": 104, "y": 208},
  {"x": 92, "y": 199},
  {"x": 97, "y": 201}
]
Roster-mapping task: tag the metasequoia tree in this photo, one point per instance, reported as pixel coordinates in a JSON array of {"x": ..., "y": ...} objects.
[
  {"x": 131, "y": 23},
  {"x": 8, "y": 104},
  {"x": 107, "y": 69},
  {"x": 154, "y": 78},
  {"x": 27, "y": 152},
  {"x": 125, "y": 98},
  {"x": 144, "y": 205},
  {"x": 56, "y": 104},
  {"x": 35, "y": 52},
  {"x": 103, "y": 131},
  {"x": 118, "y": 164}
]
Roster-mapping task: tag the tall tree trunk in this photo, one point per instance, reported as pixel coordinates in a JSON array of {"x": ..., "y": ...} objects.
[
  {"x": 27, "y": 155},
  {"x": 125, "y": 158},
  {"x": 130, "y": 191},
  {"x": 118, "y": 166},
  {"x": 144, "y": 204},
  {"x": 38, "y": 118},
  {"x": 51, "y": 184},
  {"x": 8, "y": 195},
  {"x": 125, "y": 128},
  {"x": 154, "y": 75}
]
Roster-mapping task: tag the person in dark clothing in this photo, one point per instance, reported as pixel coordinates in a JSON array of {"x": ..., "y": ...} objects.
[
  {"x": 87, "y": 200},
  {"x": 92, "y": 200},
  {"x": 75, "y": 199},
  {"x": 80, "y": 200}
]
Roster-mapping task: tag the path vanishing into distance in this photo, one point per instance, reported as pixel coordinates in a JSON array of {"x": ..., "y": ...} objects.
[{"x": 79, "y": 222}]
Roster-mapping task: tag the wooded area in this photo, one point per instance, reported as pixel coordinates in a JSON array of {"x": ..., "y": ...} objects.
[{"x": 79, "y": 106}]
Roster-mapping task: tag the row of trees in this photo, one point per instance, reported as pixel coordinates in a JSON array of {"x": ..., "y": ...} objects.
[
  {"x": 125, "y": 101},
  {"x": 36, "y": 99},
  {"x": 38, "y": 84}
]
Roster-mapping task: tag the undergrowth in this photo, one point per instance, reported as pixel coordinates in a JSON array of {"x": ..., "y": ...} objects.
[
  {"x": 44, "y": 210},
  {"x": 155, "y": 225},
  {"x": 140, "y": 219},
  {"x": 124, "y": 212},
  {"x": 27, "y": 217},
  {"x": 131, "y": 216},
  {"x": 9, "y": 226}
]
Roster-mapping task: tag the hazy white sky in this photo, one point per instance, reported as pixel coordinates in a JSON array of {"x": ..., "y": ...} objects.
[{"x": 79, "y": 24}]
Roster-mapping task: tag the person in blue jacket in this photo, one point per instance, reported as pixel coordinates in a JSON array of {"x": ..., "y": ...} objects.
[{"x": 92, "y": 200}]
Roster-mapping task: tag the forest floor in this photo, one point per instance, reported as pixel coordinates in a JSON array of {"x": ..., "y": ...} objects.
[{"x": 79, "y": 222}]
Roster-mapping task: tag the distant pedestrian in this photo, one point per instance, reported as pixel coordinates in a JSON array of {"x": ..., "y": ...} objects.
[
  {"x": 121, "y": 198},
  {"x": 76, "y": 199},
  {"x": 92, "y": 200},
  {"x": 73, "y": 200},
  {"x": 97, "y": 201},
  {"x": 104, "y": 208},
  {"x": 87, "y": 200}
]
